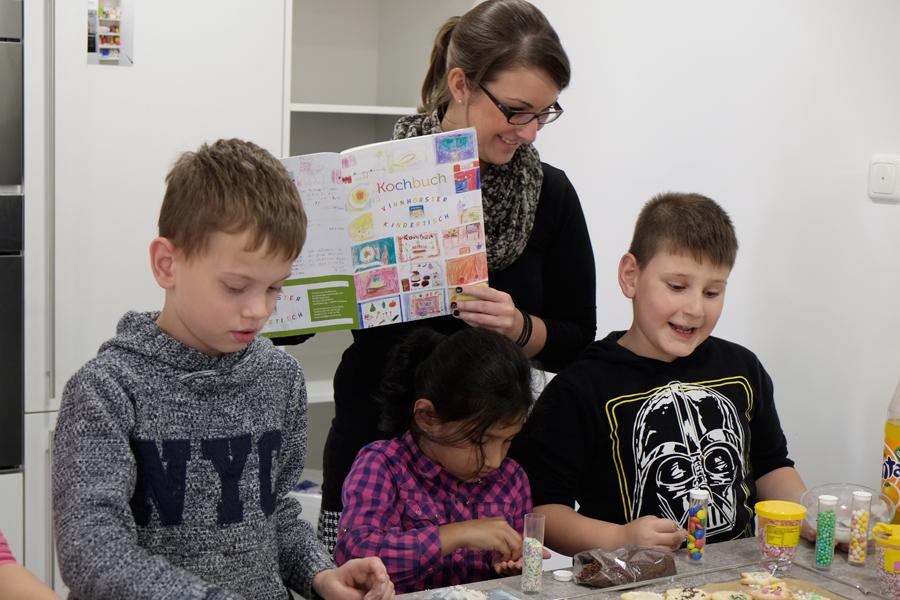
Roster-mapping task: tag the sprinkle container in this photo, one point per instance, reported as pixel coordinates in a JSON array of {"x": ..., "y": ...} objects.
[
  {"x": 860, "y": 511},
  {"x": 778, "y": 528},
  {"x": 696, "y": 523},
  {"x": 825, "y": 523},
  {"x": 887, "y": 553},
  {"x": 532, "y": 553}
]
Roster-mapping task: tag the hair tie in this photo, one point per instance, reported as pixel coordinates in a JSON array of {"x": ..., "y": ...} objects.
[{"x": 527, "y": 328}]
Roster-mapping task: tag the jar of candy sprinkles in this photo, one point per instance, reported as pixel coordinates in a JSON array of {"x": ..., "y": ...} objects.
[
  {"x": 887, "y": 552},
  {"x": 698, "y": 510},
  {"x": 860, "y": 509},
  {"x": 778, "y": 528},
  {"x": 825, "y": 522}
]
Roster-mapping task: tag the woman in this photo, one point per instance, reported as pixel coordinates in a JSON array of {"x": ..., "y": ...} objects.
[{"x": 500, "y": 69}]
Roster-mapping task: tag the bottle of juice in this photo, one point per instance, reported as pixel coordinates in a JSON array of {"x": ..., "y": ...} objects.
[{"x": 890, "y": 463}]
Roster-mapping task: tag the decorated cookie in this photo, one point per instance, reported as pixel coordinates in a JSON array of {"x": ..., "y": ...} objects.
[
  {"x": 641, "y": 596},
  {"x": 459, "y": 592},
  {"x": 772, "y": 591},
  {"x": 758, "y": 578},
  {"x": 686, "y": 594},
  {"x": 730, "y": 595}
]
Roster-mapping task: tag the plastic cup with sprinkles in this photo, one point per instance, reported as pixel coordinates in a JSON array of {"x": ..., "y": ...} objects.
[
  {"x": 778, "y": 529},
  {"x": 533, "y": 553},
  {"x": 887, "y": 548},
  {"x": 698, "y": 513},
  {"x": 826, "y": 518}
]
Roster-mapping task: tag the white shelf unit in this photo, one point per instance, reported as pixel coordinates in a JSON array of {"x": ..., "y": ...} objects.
[
  {"x": 356, "y": 65},
  {"x": 352, "y": 68}
]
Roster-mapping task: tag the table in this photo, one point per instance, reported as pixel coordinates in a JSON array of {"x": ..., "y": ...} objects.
[{"x": 722, "y": 562}]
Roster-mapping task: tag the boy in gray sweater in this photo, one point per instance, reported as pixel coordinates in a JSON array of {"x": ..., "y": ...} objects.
[{"x": 176, "y": 445}]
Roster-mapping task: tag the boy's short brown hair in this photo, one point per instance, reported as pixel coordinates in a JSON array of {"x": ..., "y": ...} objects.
[
  {"x": 684, "y": 223},
  {"x": 232, "y": 186}
]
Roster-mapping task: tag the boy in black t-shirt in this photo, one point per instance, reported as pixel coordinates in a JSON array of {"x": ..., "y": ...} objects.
[{"x": 646, "y": 415}]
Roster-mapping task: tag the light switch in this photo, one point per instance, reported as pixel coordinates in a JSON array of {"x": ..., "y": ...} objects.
[{"x": 884, "y": 178}]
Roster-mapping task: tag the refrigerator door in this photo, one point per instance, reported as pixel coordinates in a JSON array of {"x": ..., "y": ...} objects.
[
  {"x": 11, "y": 116},
  {"x": 12, "y": 406},
  {"x": 11, "y": 20}
]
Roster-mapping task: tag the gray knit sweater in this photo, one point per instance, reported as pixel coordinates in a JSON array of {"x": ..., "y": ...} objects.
[{"x": 170, "y": 470}]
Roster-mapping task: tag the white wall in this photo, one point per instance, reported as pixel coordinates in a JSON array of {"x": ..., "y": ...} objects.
[
  {"x": 204, "y": 70},
  {"x": 772, "y": 108}
]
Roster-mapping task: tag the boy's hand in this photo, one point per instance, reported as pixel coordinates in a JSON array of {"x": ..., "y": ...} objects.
[
  {"x": 505, "y": 568},
  {"x": 663, "y": 534},
  {"x": 356, "y": 579},
  {"x": 808, "y": 531},
  {"x": 493, "y": 534}
]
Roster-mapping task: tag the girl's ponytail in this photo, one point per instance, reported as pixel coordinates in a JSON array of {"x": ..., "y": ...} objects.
[{"x": 397, "y": 392}]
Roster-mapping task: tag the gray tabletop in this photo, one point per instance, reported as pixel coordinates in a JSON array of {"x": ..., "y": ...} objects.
[{"x": 722, "y": 562}]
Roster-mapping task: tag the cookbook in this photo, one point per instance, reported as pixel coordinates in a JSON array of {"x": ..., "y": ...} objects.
[{"x": 394, "y": 227}]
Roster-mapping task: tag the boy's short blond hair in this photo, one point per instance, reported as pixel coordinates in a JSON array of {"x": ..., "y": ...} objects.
[
  {"x": 684, "y": 224},
  {"x": 232, "y": 186}
]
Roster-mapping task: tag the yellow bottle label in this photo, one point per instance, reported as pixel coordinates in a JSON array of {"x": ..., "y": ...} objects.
[
  {"x": 784, "y": 536},
  {"x": 890, "y": 466},
  {"x": 891, "y": 561}
]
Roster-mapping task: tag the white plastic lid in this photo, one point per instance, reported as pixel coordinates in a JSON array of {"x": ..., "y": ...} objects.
[
  {"x": 828, "y": 500},
  {"x": 562, "y": 575},
  {"x": 862, "y": 495},
  {"x": 699, "y": 495}
]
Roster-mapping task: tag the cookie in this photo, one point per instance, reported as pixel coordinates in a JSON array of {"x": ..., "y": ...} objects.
[
  {"x": 758, "y": 578},
  {"x": 686, "y": 594},
  {"x": 730, "y": 595},
  {"x": 641, "y": 596},
  {"x": 772, "y": 591}
]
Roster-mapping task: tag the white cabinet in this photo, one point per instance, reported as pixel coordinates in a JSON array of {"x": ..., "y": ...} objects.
[
  {"x": 11, "y": 521},
  {"x": 355, "y": 65},
  {"x": 39, "y": 552}
]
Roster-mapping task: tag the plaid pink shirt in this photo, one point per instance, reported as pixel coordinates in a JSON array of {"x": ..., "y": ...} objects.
[
  {"x": 5, "y": 555},
  {"x": 395, "y": 498}
]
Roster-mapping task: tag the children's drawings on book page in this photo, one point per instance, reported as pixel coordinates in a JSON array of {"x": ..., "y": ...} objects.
[{"x": 394, "y": 227}]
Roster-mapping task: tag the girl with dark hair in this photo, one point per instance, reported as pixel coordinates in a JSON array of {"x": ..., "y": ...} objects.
[
  {"x": 441, "y": 504},
  {"x": 500, "y": 69}
]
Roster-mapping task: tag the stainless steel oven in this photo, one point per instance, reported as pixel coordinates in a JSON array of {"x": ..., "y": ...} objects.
[{"x": 12, "y": 403}]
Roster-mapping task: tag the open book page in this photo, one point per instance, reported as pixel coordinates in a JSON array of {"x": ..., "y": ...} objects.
[
  {"x": 394, "y": 228},
  {"x": 416, "y": 225},
  {"x": 319, "y": 294}
]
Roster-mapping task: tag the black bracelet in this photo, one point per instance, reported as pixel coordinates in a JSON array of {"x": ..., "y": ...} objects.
[{"x": 527, "y": 328}]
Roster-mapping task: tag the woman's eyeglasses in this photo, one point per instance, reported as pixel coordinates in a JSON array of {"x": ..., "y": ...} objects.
[{"x": 522, "y": 117}]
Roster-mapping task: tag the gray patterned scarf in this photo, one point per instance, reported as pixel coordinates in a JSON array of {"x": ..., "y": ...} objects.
[{"x": 509, "y": 193}]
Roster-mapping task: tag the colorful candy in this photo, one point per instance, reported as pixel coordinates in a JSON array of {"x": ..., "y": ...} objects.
[
  {"x": 888, "y": 580},
  {"x": 696, "y": 524},
  {"x": 859, "y": 527},
  {"x": 532, "y": 564},
  {"x": 778, "y": 528},
  {"x": 825, "y": 522}
]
